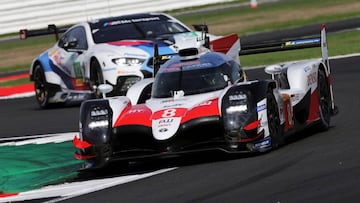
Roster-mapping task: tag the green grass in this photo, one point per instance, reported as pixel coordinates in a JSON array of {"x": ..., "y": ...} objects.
[
  {"x": 15, "y": 82},
  {"x": 281, "y": 8},
  {"x": 30, "y": 42}
]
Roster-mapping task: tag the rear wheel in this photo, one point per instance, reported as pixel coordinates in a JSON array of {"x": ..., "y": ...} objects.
[
  {"x": 324, "y": 101},
  {"x": 273, "y": 117},
  {"x": 43, "y": 90}
]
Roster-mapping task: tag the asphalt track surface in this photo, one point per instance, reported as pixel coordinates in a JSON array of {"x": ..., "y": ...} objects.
[{"x": 311, "y": 167}]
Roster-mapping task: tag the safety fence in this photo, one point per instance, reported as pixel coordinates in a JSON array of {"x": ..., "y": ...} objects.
[{"x": 35, "y": 14}]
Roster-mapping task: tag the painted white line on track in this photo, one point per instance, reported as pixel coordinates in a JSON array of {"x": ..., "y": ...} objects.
[
  {"x": 69, "y": 190},
  {"x": 20, "y": 95},
  {"x": 39, "y": 139}
]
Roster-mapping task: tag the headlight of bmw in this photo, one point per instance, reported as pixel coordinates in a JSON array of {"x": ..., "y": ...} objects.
[{"x": 128, "y": 61}]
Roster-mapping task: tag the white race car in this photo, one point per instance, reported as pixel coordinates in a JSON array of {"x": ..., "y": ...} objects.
[
  {"x": 202, "y": 100},
  {"x": 116, "y": 51}
]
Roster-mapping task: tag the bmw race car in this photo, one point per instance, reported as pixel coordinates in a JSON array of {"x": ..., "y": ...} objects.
[
  {"x": 201, "y": 100},
  {"x": 116, "y": 51}
]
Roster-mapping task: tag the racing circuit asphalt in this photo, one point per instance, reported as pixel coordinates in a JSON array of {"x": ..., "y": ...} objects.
[{"x": 311, "y": 167}]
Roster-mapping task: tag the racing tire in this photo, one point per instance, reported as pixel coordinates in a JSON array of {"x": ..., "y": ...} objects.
[
  {"x": 96, "y": 76},
  {"x": 273, "y": 119},
  {"x": 43, "y": 90},
  {"x": 324, "y": 101}
]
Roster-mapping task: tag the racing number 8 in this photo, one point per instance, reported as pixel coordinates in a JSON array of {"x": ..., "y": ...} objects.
[{"x": 169, "y": 113}]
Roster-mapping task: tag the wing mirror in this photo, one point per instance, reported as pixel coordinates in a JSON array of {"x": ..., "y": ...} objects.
[
  {"x": 104, "y": 88},
  {"x": 72, "y": 44},
  {"x": 273, "y": 70}
]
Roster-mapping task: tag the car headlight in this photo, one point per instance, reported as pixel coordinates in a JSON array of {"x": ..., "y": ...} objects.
[
  {"x": 238, "y": 103},
  {"x": 236, "y": 111},
  {"x": 98, "y": 124},
  {"x": 128, "y": 61},
  {"x": 99, "y": 117}
]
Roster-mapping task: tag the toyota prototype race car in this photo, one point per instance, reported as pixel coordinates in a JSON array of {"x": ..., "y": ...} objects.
[
  {"x": 201, "y": 100},
  {"x": 116, "y": 51}
]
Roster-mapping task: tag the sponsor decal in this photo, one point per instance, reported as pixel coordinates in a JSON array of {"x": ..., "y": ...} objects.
[
  {"x": 261, "y": 107},
  {"x": 128, "y": 21},
  {"x": 237, "y": 97},
  {"x": 312, "y": 78},
  {"x": 206, "y": 103},
  {"x": 173, "y": 105},
  {"x": 162, "y": 130},
  {"x": 109, "y": 69},
  {"x": 76, "y": 96},
  {"x": 307, "y": 68},
  {"x": 135, "y": 55},
  {"x": 77, "y": 69},
  {"x": 165, "y": 122},
  {"x": 264, "y": 143},
  {"x": 120, "y": 72},
  {"x": 304, "y": 41},
  {"x": 166, "y": 57},
  {"x": 55, "y": 56},
  {"x": 136, "y": 111}
]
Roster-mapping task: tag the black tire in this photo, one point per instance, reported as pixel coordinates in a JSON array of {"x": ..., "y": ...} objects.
[
  {"x": 275, "y": 127},
  {"x": 96, "y": 76},
  {"x": 324, "y": 101},
  {"x": 43, "y": 90}
]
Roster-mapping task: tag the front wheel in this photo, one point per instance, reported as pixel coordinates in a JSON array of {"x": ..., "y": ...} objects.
[
  {"x": 96, "y": 76},
  {"x": 273, "y": 117},
  {"x": 324, "y": 101}
]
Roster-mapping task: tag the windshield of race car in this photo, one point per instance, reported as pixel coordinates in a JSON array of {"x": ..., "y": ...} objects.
[
  {"x": 135, "y": 27},
  {"x": 209, "y": 73}
]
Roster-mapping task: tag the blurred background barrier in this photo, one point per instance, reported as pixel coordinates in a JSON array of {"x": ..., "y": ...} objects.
[{"x": 35, "y": 14}]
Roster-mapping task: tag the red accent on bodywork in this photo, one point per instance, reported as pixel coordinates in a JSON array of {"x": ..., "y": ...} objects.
[
  {"x": 134, "y": 115},
  {"x": 252, "y": 125},
  {"x": 8, "y": 194},
  {"x": 80, "y": 144},
  {"x": 224, "y": 44},
  {"x": 207, "y": 108},
  {"x": 130, "y": 42},
  {"x": 329, "y": 80},
  {"x": 82, "y": 157},
  {"x": 314, "y": 109},
  {"x": 258, "y": 136},
  {"x": 79, "y": 84}
]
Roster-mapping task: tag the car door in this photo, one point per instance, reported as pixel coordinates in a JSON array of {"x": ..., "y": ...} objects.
[{"x": 72, "y": 48}]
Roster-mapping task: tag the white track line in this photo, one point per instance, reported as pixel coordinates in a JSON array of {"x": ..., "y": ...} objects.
[{"x": 69, "y": 190}]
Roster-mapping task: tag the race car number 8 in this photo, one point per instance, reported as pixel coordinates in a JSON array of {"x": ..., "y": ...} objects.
[{"x": 169, "y": 113}]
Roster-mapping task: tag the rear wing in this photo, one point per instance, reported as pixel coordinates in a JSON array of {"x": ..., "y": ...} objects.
[
  {"x": 292, "y": 44},
  {"x": 51, "y": 29}
]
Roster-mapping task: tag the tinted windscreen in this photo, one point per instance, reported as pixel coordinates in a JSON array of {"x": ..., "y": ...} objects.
[
  {"x": 191, "y": 81},
  {"x": 122, "y": 30}
]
